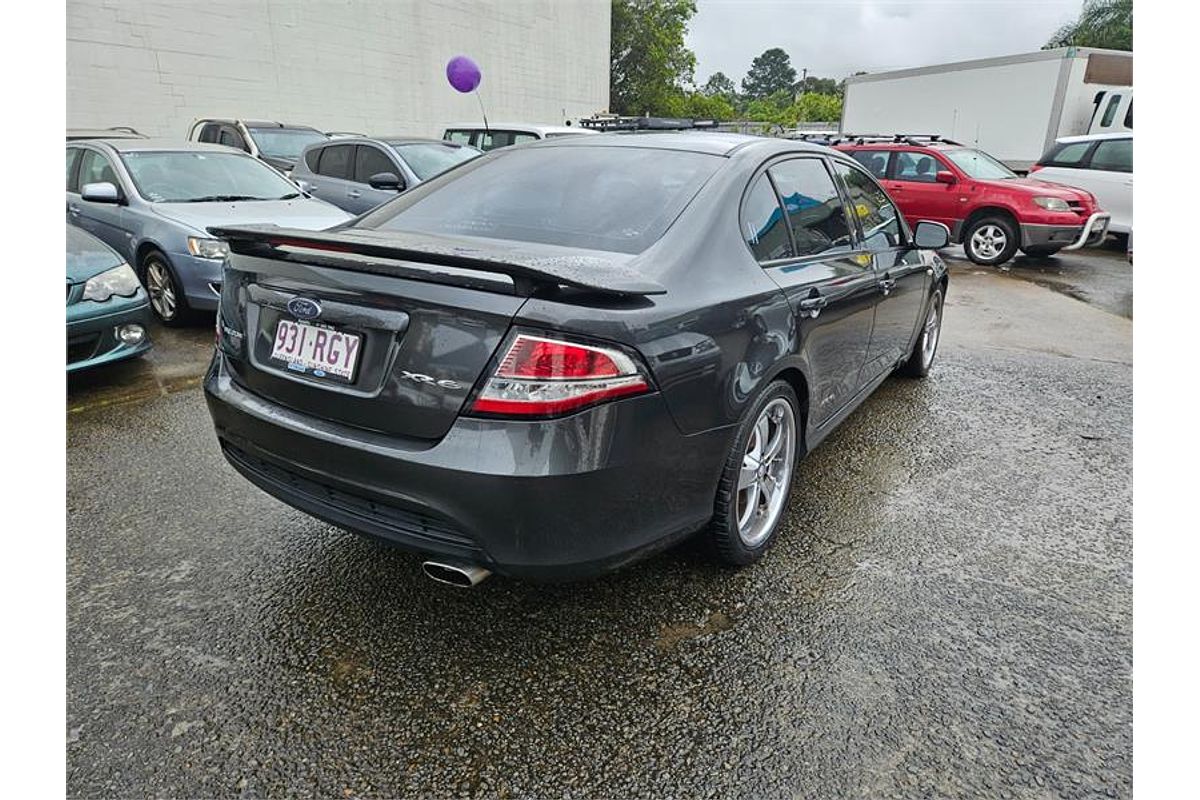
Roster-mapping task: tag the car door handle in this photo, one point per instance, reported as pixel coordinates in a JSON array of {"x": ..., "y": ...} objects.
[
  {"x": 813, "y": 304},
  {"x": 886, "y": 284},
  {"x": 72, "y": 210},
  {"x": 354, "y": 194}
]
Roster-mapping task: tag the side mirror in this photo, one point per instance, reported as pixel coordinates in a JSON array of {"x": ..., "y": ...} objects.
[
  {"x": 386, "y": 180},
  {"x": 945, "y": 176},
  {"x": 103, "y": 192},
  {"x": 931, "y": 235}
]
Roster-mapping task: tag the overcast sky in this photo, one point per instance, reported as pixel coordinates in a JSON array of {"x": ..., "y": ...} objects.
[{"x": 836, "y": 38}]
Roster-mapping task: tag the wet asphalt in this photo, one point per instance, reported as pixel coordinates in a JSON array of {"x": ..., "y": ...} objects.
[{"x": 947, "y": 612}]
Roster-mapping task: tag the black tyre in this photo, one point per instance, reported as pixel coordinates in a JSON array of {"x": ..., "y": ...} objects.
[
  {"x": 753, "y": 492},
  {"x": 166, "y": 295},
  {"x": 991, "y": 241},
  {"x": 920, "y": 361},
  {"x": 1040, "y": 252}
]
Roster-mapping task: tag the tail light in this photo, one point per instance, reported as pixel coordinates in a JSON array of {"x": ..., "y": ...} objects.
[{"x": 540, "y": 377}]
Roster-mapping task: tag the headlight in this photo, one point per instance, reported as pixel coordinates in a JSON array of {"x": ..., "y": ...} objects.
[
  {"x": 120, "y": 281},
  {"x": 1052, "y": 203},
  {"x": 207, "y": 248}
]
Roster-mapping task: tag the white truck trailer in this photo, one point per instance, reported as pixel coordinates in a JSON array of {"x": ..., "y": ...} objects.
[{"x": 1012, "y": 107}]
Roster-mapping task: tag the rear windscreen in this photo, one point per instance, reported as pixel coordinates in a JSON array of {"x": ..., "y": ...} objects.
[{"x": 620, "y": 199}]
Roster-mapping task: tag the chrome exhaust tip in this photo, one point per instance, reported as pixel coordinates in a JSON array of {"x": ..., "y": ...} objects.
[{"x": 464, "y": 576}]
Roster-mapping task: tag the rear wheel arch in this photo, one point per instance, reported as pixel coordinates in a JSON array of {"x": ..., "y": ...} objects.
[{"x": 799, "y": 383}]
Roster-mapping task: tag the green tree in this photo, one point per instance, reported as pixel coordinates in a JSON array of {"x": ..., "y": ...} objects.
[
  {"x": 818, "y": 85},
  {"x": 720, "y": 85},
  {"x": 697, "y": 105},
  {"x": 650, "y": 63},
  {"x": 813, "y": 107},
  {"x": 769, "y": 73},
  {"x": 1102, "y": 23}
]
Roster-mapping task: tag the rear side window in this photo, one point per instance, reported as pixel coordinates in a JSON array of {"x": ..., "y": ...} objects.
[
  {"x": 620, "y": 199},
  {"x": 490, "y": 140},
  {"x": 311, "y": 158},
  {"x": 231, "y": 138},
  {"x": 874, "y": 160},
  {"x": 371, "y": 161},
  {"x": 1113, "y": 155},
  {"x": 916, "y": 167},
  {"x": 813, "y": 206},
  {"x": 762, "y": 222},
  {"x": 1129, "y": 116},
  {"x": 210, "y": 133},
  {"x": 1066, "y": 155},
  {"x": 336, "y": 161},
  {"x": 72, "y": 161},
  {"x": 458, "y": 137},
  {"x": 874, "y": 209}
]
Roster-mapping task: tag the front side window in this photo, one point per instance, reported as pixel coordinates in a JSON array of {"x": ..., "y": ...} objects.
[
  {"x": 336, "y": 161},
  {"x": 1110, "y": 112},
  {"x": 285, "y": 143},
  {"x": 620, "y": 199},
  {"x": 763, "y": 227},
  {"x": 1114, "y": 155},
  {"x": 95, "y": 168},
  {"x": 198, "y": 177},
  {"x": 371, "y": 161},
  {"x": 979, "y": 165},
  {"x": 427, "y": 160},
  {"x": 875, "y": 211},
  {"x": 916, "y": 167},
  {"x": 1066, "y": 155},
  {"x": 874, "y": 160},
  {"x": 813, "y": 206},
  {"x": 1129, "y": 116},
  {"x": 72, "y": 160}
]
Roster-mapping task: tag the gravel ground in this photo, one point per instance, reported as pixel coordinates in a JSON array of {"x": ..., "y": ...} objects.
[{"x": 946, "y": 614}]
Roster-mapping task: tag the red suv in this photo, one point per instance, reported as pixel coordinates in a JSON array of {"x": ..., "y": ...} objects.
[{"x": 989, "y": 208}]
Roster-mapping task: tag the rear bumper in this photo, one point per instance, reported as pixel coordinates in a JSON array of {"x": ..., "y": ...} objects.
[
  {"x": 552, "y": 500},
  {"x": 1066, "y": 237}
]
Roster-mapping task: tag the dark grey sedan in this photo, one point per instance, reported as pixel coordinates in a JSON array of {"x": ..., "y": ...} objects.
[
  {"x": 359, "y": 174},
  {"x": 561, "y": 357}
]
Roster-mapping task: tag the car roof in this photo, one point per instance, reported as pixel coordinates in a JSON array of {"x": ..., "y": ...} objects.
[
  {"x": 164, "y": 145},
  {"x": 711, "y": 142},
  {"x": 530, "y": 127},
  {"x": 943, "y": 146},
  {"x": 256, "y": 123},
  {"x": 1094, "y": 137}
]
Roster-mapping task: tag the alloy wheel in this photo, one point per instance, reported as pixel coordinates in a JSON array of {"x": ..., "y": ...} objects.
[
  {"x": 988, "y": 241},
  {"x": 932, "y": 332},
  {"x": 161, "y": 289},
  {"x": 766, "y": 472}
]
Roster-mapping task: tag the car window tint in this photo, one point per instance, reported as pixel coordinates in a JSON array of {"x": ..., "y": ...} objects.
[
  {"x": 762, "y": 222},
  {"x": 95, "y": 168},
  {"x": 916, "y": 167},
  {"x": 874, "y": 160},
  {"x": 620, "y": 199},
  {"x": 1129, "y": 116},
  {"x": 875, "y": 211},
  {"x": 490, "y": 140},
  {"x": 335, "y": 161},
  {"x": 231, "y": 138},
  {"x": 311, "y": 157},
  {"x": 210, "y": 133},
  {"x": 1067, "y": 155},
  {"x": 72, "y": 160},
  {"x": 1114, "y": 155},
  {"x": 521, "y": 138},
  {"x": 1111, "y": 111},
  {"x": 458, "y": 137},
  {"x": 814, "y": 208},
  {"x": 370, "y": 161}
]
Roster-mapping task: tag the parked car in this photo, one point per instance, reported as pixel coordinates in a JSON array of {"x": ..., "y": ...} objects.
[
  {"x": 1101, "y": 164},
  {"x": 117, "y": 132},
  {"x": 108, "y": 313},
  {"x": 503, "y": 134},
  {"x": 359, "y": 174},
  {"x": 557, "y": 358},
  {"x": 277, "y": 144},
  {"x": 343, "y": 134},
  {"x": 153, "y": 201},
  {"x": 988, "y": 208}
]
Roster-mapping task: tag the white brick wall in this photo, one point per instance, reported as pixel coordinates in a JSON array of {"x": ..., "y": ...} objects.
[{"x": 376, "y": 66}]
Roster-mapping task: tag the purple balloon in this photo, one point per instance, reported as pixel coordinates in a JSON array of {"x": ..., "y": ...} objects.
[{"x": 463, "y": 74}]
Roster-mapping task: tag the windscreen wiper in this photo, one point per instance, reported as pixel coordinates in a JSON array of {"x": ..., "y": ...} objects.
[{"x": 223, "y": 198}]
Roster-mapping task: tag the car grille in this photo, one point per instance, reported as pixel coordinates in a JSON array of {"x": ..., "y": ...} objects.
[
  {"x": 402, "y": 522},
  {"x": 82, "y": 348}
]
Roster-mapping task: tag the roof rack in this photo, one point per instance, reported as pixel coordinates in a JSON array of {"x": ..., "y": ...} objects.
[
  {"x": 612, "y": 122},
  {"x": 914, "y": 139}
]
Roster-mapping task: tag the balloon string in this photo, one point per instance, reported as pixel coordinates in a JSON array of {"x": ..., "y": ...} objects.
[{"x": 484, "y": 113}]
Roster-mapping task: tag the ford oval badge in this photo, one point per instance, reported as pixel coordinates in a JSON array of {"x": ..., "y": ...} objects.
[{"x": 304, "y": 308}]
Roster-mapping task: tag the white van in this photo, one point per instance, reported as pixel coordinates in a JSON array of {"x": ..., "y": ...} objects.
[{"x": 502, "y": 134}]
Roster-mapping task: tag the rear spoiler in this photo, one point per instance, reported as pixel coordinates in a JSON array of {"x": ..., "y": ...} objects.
[{"x": 592, "y": 273}]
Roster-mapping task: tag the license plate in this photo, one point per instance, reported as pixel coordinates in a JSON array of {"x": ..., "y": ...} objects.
[{"x": 318, "y": 351}]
